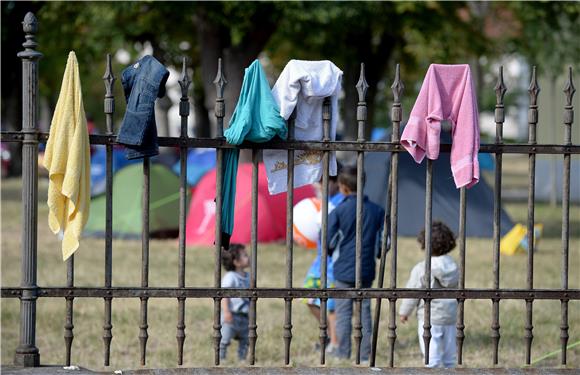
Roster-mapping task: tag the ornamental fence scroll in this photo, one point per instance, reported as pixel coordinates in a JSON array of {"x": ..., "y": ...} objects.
[{"x": 27, "y": 354}]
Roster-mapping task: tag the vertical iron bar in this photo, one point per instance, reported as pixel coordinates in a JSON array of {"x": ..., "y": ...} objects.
[
  {"x": 109, "y": 109},
  {"x": 533, "y": 90},
  {"x": 427, "y": 279},
  {"x": 461, "y": 302},
  {"x": 184, "y": 114},
  {"x": 361, "y": 116},
  {"x": 569, "y": 90},
  {"x": 396, "y": 117},
  {"x": 68, "y": 326},
  {"x": 289, "y": 242},
  {"x": 323, "y": 324},
  {"x": 382, "y": 266},
  {"x": 220, "y": 108},
  {"x": 27, "y": 354},
  {"x": 500, "y": 90},
  {"x": 253, "y": 334},
  {"x": 143, "y": 335}
]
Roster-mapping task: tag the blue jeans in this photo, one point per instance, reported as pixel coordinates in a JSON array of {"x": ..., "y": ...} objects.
[
  {"x": 238, "y": 330},
  {"x": 344, "y": 324}
]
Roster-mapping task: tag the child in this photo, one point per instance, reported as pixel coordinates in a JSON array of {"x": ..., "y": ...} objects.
[
  {"x": 342, "y": 247},
  {"x": 444, "y": 274},
  {"x": 312, "y": 280},
  {"x": 235, "y": 310}
]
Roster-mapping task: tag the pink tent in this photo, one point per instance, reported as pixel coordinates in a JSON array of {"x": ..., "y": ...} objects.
[{"x": 200, "y": 227}]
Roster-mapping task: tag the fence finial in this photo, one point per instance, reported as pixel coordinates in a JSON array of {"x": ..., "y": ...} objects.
[
  {"x": 185, "y": 81},
  {"x": 220, "y": 80},
  {"x": 500, "y": 88},
  {"x": 109, "y": 78},
  {"x": 30, "y": 27},
  {"x": 362, "y": 85},
  {"x": 109, "y": 103},
  {"x": 569, "y": 89},
  {"x": 534, "y": 88},
  {"x": 398, "y": 87}
]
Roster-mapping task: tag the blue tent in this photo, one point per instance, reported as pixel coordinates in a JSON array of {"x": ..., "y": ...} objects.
[
  {"x": 411, "y": 183},
  {"x": 199, "y": 162}
]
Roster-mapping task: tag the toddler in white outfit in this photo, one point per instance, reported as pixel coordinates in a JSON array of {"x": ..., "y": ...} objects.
[{"x": 444, "y": 274}]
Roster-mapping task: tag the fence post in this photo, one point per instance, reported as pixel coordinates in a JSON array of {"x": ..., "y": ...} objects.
[{"x": 27, "y": 354}]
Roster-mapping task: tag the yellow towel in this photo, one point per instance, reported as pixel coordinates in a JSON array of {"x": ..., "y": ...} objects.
[{"x": 67, "y": 158}]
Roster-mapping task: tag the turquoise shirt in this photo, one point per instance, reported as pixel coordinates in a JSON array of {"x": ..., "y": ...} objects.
[{"x": 255, "y": 119}]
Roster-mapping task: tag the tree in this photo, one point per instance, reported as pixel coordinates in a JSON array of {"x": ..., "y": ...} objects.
[{"x": 378, "y": 34}]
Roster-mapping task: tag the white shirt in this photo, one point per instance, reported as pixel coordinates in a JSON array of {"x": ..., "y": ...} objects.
[
  {"x": 233, "y": 279},
  {"x": 303, "y": 85},
  {"x": 444, "y": 274}
]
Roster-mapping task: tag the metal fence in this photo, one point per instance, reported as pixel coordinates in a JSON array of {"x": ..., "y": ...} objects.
[{"x": 27, "y": 354}]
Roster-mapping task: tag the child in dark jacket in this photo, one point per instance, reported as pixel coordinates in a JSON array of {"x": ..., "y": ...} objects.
[{"x": 342, "y": 247}]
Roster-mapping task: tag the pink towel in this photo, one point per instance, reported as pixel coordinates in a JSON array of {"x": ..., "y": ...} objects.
[{"x": 447, "y": 93}]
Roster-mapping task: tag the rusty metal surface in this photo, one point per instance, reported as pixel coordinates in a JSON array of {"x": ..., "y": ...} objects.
[
  {"x": 323, "y": 323},
  {"x": 109, "y": 109},
  {"x": 220, "y": 143},
  {"x": 155, "y": 292},
  {"x": 569, "y": 90},
  {"x": 27, "y": 353},
  {"x": 220, "y": 108},
  {"x": 500, "y": 90},
  {"x": 184, "y": 83},
  {"x": 355, "y": 370},
  {"x": 289, "y": 241}
]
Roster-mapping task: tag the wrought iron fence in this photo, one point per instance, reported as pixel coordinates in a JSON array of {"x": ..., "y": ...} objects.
[{"x": 27, "y": 354}]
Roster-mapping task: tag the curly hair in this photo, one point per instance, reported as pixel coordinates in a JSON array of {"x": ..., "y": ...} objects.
[
  {"x": 442, "y": 239},
  {"x": 231, "y": 254}
]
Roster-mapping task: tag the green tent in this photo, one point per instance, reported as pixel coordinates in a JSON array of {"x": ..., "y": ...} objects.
[{"x": 127, "y": 204}]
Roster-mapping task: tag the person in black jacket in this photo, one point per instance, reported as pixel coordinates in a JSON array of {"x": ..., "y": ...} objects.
[{"x": 342, "y": 247}]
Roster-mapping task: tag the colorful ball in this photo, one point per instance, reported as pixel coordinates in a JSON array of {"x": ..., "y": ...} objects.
[{"x": 306, "y": 226}]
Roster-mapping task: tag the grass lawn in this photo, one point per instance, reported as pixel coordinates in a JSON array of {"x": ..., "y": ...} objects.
[{"x": 162, "y": 345}]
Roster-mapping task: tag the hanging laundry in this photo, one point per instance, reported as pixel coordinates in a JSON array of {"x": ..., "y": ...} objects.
[
  {"x": 303, "y": 85},
  {"x": 447, "y": 93},
  {"x": 142, "y": 82},
  {"x": 68, "y": 161},
  {"x": 255, "y": 119}
]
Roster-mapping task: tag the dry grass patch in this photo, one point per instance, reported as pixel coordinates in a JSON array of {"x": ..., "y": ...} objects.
[{"x": 162, "y": 345}]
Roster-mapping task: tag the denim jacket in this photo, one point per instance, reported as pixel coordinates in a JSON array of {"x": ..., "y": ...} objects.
[{"x": 142, "y": 82}]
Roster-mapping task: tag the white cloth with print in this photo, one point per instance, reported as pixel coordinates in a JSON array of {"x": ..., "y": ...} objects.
[{"x": 303, "y": 85}]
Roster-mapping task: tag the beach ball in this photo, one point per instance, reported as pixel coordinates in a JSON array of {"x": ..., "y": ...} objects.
[{"x": 306, "y": 226}]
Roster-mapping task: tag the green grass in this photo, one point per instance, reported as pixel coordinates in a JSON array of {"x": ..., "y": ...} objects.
[{"x": 162, "y": 345}]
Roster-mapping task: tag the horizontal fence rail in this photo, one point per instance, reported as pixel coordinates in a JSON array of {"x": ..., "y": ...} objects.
[
  {"x": 27, "y": 354},
  {"x": 367, "y": 146}
]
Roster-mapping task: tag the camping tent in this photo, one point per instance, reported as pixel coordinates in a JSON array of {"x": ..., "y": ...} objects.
[
  {"x": 199, "y": 162},
  {"x": 127, "y": 204},
  {"x": 200, "y": 229},
  {"x": 99, "y": 167},
  {"x": 549, "y": 175},
  {"x": 411, "y": 208}
]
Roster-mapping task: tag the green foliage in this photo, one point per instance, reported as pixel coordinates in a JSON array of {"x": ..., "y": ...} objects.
[
  {"x": 548, "y": 34},
  {"x": 380, "y": 34}
]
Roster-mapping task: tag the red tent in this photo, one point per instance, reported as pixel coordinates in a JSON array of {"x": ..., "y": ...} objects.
[{"x": 200, "y": 227}]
